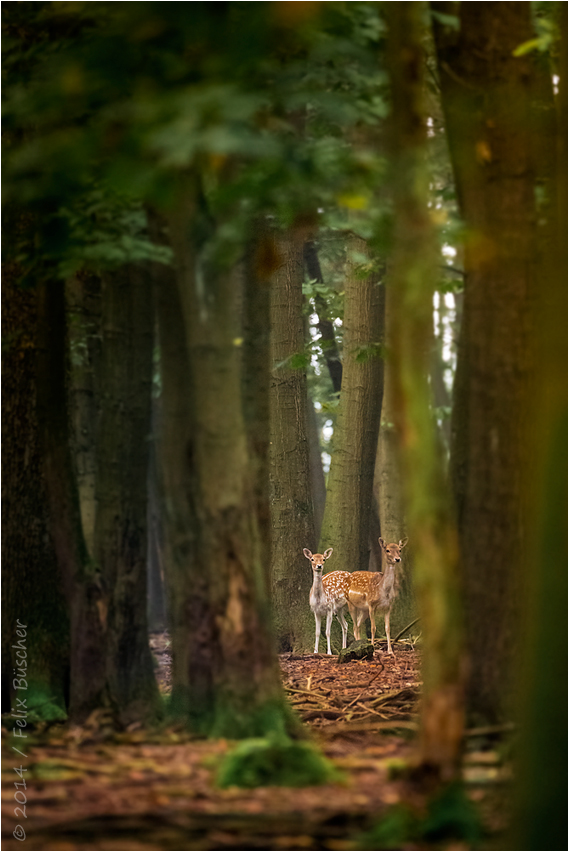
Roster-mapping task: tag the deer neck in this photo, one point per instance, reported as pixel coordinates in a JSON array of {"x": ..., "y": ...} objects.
[
  {"x": 317, "y": 590},
  {"x": 390, "y": 582}
]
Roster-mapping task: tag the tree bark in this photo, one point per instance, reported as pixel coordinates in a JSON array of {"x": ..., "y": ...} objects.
[
  {"x": 388, "y": 494},
  {"x": 538, "y": 818},
  {"x": 292, "y": 515},
  {"x": 83, "y": 296},
  {"x": 186, "y": 590},
  {"x": 81, "y": 581},
  {"x": 349, "y": 498},
  {"x": 32, "y": 591},
  {"x": 485, "y": 91},
  {"x": 411, "y": 283},
  {"x": 232, "y": 682},
  {"x": 260, "y": 262},
  {"x": 123, "y": 436}
]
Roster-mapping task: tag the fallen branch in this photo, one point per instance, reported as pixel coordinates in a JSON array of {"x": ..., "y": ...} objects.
[{"x": 405, "y": 629}]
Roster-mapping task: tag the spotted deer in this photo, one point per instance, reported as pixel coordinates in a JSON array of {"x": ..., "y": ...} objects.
[
  {"x": 328, "y": 596},
  {"x": 370, "y": 591}
]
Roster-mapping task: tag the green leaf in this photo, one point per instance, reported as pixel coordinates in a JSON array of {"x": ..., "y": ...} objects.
[
  {"x": 541, "y": 43},
  {"x": 450, "y": 21}
]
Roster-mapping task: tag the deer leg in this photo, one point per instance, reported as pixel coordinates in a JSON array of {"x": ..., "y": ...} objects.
[
  {"x": 353, "y": 616},
  {"x": 389, "y": 648},
  {"x": 372, "y": 619},
  {"x": 318, "y": 624},
  {"x": 360, "y": 619},
  {"x": 329, "y": 617},
  {"x": 344, "y": 623}
]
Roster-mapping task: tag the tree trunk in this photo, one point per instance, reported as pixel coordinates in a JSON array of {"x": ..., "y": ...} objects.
[
  {"x": 184, "y": 602},
  {"x": 121, "y": 488},
  {"x": 485, "y": 91},
  {"x": 31, "y": 582},
  {"x": 325, "y": 326},
  {"x": 539, "y": 816},
  {"x": 81, "y": 581},
  {"x": 411, "y": 283},
  {"x": 292, "y": 515},
  {"x": 349, "y": 498},
  {"x": 334, "y": 363},
  {"x": 83, "y": 296},
  {"x": 317, "y": 478},
  {"x": 156, "y": 609},
  {"x": 388, "y": 493},
  {"x": 260, "y": 262},
  {"x": 232, "y": 677}
]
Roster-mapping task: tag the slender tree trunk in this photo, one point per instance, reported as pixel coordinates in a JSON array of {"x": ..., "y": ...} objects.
[
  {"x": 428, "y": 511},
  {"x": 232, "y": 677},
  {"x": 486, "y": 96},
  {"x": 123, "y": 439},
  {"x": 32, "y": 590},
  {"x": 349, "y": 499},
  {"x": 334, "y": 363},
  {"x": 292, "y": 515},
  {"x": 325, "y": 326}
]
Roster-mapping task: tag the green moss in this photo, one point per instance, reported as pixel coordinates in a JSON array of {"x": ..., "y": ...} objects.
[
  {"x": 41, "y": 705},
  {"x": 272, "y": 719},
  {"x": 450, "y": 816},
  {"x": 275, "y": 761}
]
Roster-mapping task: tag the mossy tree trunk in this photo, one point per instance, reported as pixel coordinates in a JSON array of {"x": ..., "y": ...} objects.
[
  {"x": 486, "y": 101},
  {"x": 292, "y": 516},
  {"x": 231, "y": 684},
  {"x": 539, "y": 816},
  {"x": 411, "y": 283},
  {"x": 32, "y": 588},
  {"x": 349, "y": 498},
  {"x": 123, "y": 439}
]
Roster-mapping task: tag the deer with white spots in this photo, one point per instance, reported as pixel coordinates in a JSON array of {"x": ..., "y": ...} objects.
[
  {"x": 370, "y": 591},
  {"x": 328, "y": 596}
]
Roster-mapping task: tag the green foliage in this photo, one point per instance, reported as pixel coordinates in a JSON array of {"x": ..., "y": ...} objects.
[
  {"x": 372, "y": 350},
  {"x": 296, "y": 361},
  {"x": 106, "y": 231},
  {"x": 450, "y": 816},
  {"x": 275, "y": 761},
  {"x": 127, "y": 96},
  {"x": 450, "y": 21}
]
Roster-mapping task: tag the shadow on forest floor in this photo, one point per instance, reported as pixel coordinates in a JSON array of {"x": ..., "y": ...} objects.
[{"x": 91, "y": 789}]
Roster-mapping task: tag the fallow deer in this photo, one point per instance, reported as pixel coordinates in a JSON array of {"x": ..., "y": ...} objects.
[
  {"x": 370, "y": 591},
  {"x": 328, "y": 596}
]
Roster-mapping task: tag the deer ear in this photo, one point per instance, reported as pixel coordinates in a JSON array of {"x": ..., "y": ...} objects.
[
  {"x": 328, "y": 553},
  {"x": 307, "y": 553},
  {"x": 381, "y": 541},
  {"x": 402, "y": 543}
]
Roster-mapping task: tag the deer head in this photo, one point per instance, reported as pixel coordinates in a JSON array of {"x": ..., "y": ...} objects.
[
  {"x": 317, "y": 559},
  {"x": 393, "y": 551}
]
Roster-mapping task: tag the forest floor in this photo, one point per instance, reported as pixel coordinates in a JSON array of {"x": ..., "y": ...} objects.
[{"x": 91, "y": 788}]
